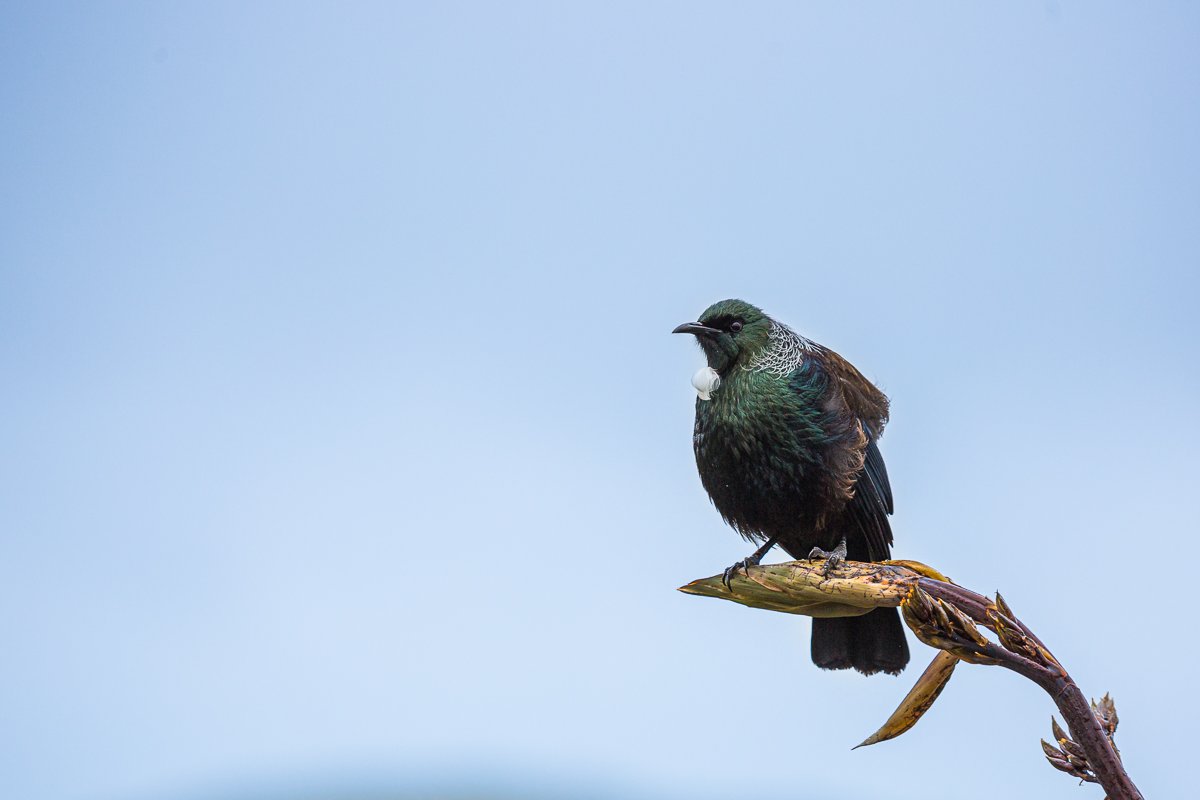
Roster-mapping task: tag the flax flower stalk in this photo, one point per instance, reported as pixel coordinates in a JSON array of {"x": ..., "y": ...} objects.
[{"x": 963, "y": 625}]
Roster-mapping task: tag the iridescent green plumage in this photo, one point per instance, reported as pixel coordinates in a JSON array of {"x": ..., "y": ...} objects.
[{"x": 786, "y": 448}]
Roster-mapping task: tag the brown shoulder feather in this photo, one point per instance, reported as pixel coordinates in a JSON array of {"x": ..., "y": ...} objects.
[{"x": 863, "y": 398}]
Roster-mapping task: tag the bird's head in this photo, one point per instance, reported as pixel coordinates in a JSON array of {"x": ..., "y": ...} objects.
[{"x": 730, "y": 332}]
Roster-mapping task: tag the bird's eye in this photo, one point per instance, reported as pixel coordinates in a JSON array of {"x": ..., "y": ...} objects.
[{"x": 735, "y": 326}]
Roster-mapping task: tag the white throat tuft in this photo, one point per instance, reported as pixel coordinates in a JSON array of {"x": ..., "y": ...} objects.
[{"x": 706, "y": 380}]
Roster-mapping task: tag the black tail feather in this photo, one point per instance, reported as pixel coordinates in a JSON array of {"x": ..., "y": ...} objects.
[{"x": 871, "y": 643}]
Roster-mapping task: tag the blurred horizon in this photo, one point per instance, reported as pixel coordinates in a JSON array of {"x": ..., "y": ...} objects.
[{"x": 346, "y": 448}]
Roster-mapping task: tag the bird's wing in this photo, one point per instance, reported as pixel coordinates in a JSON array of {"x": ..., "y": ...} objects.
[
  {"x": 876, "y": 471},
  {"x": 863, "y": 398},
  {"x": 872, "y": 502},
  {"x": 855, "y": 413}
]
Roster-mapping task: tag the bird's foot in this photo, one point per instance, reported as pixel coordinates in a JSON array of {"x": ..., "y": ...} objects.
[
  {"x": 744, "y": 565},
  {"x": 833, "y": 558}
]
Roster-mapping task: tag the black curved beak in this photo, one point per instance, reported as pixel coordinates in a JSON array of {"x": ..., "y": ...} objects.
[{"x": 697, "y": 328}]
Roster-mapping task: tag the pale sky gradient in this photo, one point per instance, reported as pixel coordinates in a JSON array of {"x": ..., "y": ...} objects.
[{"x": 344, "y": 443}]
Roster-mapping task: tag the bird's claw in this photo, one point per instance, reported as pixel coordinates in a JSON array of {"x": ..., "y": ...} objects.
[
  {"x": 752, "y": 560},
  {"x": 744, "y": 565},
  {"x": 833, "y": 558}
]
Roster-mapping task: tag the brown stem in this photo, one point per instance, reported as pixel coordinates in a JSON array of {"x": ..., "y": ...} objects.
[
  {"x": 973, "y": 603},
  {"x": 1085, "y": 728}
]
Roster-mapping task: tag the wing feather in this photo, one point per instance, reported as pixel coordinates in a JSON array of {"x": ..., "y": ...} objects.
[
  {"x": 872, "y": 503},
  {"x": 846, "y": 414}
]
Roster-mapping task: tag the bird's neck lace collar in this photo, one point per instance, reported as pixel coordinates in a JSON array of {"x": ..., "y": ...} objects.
[{"x": 785, "y": 351}]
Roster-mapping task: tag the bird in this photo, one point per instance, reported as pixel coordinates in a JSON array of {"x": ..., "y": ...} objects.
[{"x": 786, "y": 443}]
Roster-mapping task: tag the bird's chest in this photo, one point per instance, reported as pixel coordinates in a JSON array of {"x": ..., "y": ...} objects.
[{"x": 761, "y": 476}]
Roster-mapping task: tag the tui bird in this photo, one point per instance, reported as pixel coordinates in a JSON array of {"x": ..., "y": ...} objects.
[{"x": 786, "y": 444}]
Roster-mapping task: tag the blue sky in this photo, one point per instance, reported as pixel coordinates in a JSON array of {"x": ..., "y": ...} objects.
[{"x": 345, "y": 446}]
